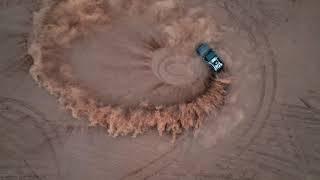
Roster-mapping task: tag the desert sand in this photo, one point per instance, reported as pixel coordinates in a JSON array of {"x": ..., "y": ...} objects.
[
  {"x": 75, "y": 74},
  {"x": 127, "y": 66}
]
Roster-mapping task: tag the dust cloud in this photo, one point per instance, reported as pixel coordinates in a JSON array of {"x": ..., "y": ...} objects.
[{"x": 127, "y": 65}]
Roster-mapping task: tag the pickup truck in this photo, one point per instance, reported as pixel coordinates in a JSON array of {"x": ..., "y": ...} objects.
[{"x": 210, "y": 57}]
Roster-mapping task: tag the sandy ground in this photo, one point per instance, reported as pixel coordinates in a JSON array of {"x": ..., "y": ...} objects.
[
  {"x": 128, "y": 66},
  {"x": 268, "y": 128}
]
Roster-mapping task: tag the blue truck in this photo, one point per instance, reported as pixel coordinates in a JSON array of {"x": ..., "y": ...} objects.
[{"x": 210, "y": 57}]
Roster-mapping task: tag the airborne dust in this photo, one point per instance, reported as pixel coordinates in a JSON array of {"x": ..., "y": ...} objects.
[{"x": 127, "y": 65}]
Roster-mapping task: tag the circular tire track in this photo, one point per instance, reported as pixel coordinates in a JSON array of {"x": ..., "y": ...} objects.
[
  {"x": 32, "y": 146},
  {"x": 268, "y": 71},
  {"x": 242, "y": 136},
  {"x": 251, "y": 129}
]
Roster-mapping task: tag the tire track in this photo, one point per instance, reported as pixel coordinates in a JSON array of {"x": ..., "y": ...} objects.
[
  {"x": 11, "y": 107},
  {"x": 157, "y": 164},
  {"x": 269, "y": 84},
  {"x": 269, "y": 71}
]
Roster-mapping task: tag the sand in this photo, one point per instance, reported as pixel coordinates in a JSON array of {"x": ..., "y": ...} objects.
[
  {"x": 128, "y": 66},
  {"x": 268, "y": 127}
]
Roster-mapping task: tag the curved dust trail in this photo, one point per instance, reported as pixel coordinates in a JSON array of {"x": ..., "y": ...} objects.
[{"x": 127, "y": 65}]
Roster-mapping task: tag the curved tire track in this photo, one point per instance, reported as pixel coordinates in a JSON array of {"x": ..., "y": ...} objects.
[{"x": 15, "y": 115}]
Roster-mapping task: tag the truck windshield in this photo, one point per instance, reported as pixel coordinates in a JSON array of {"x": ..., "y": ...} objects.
[{"x": 210, "y": 56}]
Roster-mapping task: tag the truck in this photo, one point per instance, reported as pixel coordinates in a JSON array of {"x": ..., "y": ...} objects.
[{"x": 210, "y": 57}]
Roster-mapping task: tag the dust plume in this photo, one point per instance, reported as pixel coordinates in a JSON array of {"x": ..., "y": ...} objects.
[{"x": 127, "y": 65}]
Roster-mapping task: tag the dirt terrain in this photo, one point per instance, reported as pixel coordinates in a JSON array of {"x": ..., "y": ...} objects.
[{"x": 266, "y": 127}]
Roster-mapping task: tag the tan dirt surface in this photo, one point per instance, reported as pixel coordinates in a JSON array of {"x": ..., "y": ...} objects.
[{"x": 129, "y": 68}]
